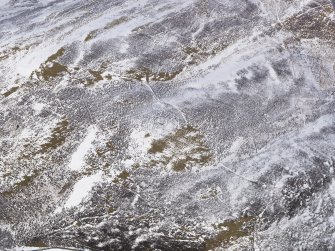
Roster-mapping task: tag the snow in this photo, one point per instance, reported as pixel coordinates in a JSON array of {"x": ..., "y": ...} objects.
[
  {"x": 38, "y": 107},
  {"x": 27, "y": 64},
  {"x": 78, "y": 158},
  {"x": 37, "y": 248},
  {"x": 234, "y": 148},
  {"x": 4, "y": 2},
  {"x": 247, "y": 154},
  {"x": 81, "y": 189}
]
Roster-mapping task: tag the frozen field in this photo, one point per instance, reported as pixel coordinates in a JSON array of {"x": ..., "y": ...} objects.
[{"x": 170, "y": 125}]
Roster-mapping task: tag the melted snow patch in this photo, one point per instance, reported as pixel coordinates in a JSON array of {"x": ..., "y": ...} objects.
[{"x": 78, "y": 158}]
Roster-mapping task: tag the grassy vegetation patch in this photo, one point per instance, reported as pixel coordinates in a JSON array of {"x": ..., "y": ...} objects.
[
  {"x": 148, "y": 75},
  {"x": 57, "y": 138},
  {"x": 56, "y": 56},
  {"x": 96, "y": 77},
  {"x": 157, "y": 146},
  {"x": 229, "y": 231},
  {"x": 26, "y": 182},
  {"x": 311, "y": 24},
  {"x": 12, "y": 51},
  {"x": 123, "y": 176},
  {"x": 10, "y": 91},
  {"x": 51, "y": 68},
  {"x": 91, "y": 35},
  {"x": 180, "y": 150},
  {"x": 37, "y": 243},
  {"x": 48, "y": 72}
]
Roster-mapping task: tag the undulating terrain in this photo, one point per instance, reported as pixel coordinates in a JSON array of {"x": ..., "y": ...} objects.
[{"x": 167, "y": 125}]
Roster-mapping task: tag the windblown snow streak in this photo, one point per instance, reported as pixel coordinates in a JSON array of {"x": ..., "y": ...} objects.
[{"x": 167, "y": 125}]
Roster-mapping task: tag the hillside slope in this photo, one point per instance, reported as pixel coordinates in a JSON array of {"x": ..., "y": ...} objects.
[{"x": 167, "y": 125}]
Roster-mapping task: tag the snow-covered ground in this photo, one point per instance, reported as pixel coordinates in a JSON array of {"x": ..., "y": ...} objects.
[{"x": 167, "y": 125}]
